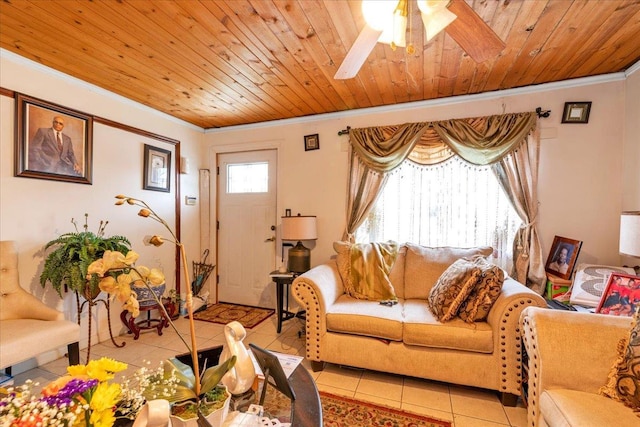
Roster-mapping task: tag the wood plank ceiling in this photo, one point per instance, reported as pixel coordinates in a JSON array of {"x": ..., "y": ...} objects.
[{"x": 225, "y": 63}]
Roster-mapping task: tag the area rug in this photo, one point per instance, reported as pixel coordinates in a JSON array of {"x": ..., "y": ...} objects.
[
  {"x": 339, "y": 411},
  {"x": 224, "y": 313}
]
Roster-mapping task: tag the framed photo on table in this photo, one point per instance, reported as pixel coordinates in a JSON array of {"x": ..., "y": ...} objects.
[
  {"x": 621, "y": 297},
  {"x": 52, "y": 142},
  {"x": 562, "y": 257},
  {"x": 157, "y": 169}
]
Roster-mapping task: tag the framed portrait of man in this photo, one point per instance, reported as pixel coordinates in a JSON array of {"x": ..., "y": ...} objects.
[
  {"x": 562, "y": 257},
  {"x": 52, "y": 142}
]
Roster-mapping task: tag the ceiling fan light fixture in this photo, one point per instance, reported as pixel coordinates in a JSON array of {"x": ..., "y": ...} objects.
[
  {"x": 435, "y": 16},
  {"x": 378, "y": 13},
  {"x": 395, "y": 34}
]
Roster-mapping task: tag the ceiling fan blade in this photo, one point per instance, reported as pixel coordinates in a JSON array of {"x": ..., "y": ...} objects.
[
  {"x": 472, "y": 33},
  {"x": 358, "y": 53}
]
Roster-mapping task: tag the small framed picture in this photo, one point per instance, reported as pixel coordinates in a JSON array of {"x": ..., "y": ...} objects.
[
  {"x": 621, "y": 297},
  {"x": 311, "y": 142},
  {"x": 562, "y": 257},
  {"x": 576, "y": 112},
  {"x": 52, "y": 142},
  {"x": 157, "y": 169}
]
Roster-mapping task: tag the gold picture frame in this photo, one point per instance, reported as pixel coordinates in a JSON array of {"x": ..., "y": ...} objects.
[{"x": 576, "y": 112}]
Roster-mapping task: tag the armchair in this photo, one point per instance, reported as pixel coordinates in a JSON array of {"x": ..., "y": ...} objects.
[
  {"x": 570, "y": 357},
  {"x": 27, "y": 326}
]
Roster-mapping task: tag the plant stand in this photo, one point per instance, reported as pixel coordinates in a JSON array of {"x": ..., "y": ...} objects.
[
  {"x": 149, "y": 323},
  {"x": 93, "y": 301}
]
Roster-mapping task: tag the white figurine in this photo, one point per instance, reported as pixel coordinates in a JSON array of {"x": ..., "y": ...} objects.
[{"x": 239, "y": 378}]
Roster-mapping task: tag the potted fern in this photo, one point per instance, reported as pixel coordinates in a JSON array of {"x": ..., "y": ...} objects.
[{"x": 67, "y": 264}]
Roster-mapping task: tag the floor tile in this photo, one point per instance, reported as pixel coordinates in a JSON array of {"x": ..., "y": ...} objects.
[
  {"x": 463, "y": 406},
  {"x": 477, "y": 403}
]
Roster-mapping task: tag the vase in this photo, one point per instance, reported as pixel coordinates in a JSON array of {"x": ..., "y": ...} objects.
[
  {"x": 215, "y": 418},
  {"x": 240, "y": 378},
  {"x": 145, "y": 297}
]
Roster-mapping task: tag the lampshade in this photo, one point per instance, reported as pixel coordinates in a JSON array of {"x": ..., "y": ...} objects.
[
  {"x": 299, "y": 228},
  {"x": 435, "y": 16},
  {"x": 630, "y": 233}
]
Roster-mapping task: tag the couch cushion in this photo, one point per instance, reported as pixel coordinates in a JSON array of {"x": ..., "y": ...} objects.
[
  {"x": 421, "y": 328},
  {"x": 22, "y": 339},
  {"x": 486, "y": 291},
  {"x": 361, "y": 317},
  {"x": 561, "y": 407},
  {"x": 452, "y": 288},
  {"x": 364, "y": 269},
  {"x": 624, "y": 378},
  {"x": 424, "y": 265}
]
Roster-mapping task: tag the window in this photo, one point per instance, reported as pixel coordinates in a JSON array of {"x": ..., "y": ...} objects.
[
  {"x": 248, "y": 177},
  {"x": 450, "y": 204}
]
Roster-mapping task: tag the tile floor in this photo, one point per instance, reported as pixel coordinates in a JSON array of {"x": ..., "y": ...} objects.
[{"x": 464, "y": 406}]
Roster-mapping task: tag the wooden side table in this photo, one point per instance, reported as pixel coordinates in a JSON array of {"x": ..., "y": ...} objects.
[
  {"x": 283, "y": 281},
  {"x": 158, "y": 323}
]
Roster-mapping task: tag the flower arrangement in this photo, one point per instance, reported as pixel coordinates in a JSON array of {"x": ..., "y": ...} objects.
[
  {"x": 118, "y": 275},
  {"x": 86, "y": 396},
  {"x": 83, "y": 397}
]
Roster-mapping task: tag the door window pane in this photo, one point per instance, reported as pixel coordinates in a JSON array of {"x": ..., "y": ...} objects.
[{"x": 248, "y": 177}]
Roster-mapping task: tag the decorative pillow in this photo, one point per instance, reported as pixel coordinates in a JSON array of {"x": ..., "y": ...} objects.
[
  {"x": 624, "y": 378},
  {"x": 486, "y": 291},
  {"x": 452, "y": 288},
  {"x": 364, "y": 269}
]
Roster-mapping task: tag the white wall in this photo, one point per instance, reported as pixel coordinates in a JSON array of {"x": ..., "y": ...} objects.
[
  {"x": 35, "y": 211},
  {"x": 580, "y": 184}
]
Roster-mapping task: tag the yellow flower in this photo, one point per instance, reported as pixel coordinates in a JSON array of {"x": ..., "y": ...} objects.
[
  {"x": 118, "y": 289},
  {"x": 132, "y": 306},
  {"x": 154, "y": 276},
  {"x": 104, "y": 368},
  {"x": 102, "y": 402},
  {"x": 144, "y": 213}
]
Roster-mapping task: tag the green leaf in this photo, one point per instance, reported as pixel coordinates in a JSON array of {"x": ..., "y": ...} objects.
[{"x": 213, "y": 375}]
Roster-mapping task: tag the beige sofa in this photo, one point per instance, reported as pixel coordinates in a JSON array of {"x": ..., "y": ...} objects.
[
  {"x": 406, "y": 338},
  {"x": 570, "y": 356},
  {"x": 28, "y": 327}
]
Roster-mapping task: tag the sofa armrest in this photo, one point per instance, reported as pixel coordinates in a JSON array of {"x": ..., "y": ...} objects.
[
  {"x": 316, "y": 290},
  {"x": 569, "y": 350},
  {"x": 504, "y": 319}
]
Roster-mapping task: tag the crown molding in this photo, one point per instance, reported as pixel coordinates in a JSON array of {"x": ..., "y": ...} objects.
[
  {"x": 543, "y": 87},
  {"x": 634, "y": 68}
]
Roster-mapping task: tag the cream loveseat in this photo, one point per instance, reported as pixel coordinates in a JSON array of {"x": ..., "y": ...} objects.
[
  {"x": 406, "y": 338},
  {"x": 28, "y": 327},
  {"x": 570, "y": 356}
]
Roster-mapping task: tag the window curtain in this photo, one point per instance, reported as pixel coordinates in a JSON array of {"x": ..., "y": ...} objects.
[{"x": 487, "y": 140}]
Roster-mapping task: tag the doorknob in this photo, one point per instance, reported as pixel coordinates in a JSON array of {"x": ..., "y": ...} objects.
[{"x": 271, "y": 239}]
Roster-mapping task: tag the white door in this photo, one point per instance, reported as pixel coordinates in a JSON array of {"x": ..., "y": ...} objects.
[{"x": 246, "y": 227}]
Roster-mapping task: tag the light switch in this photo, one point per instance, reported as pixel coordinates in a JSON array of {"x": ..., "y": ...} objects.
[{"x": 190, "y": 200}]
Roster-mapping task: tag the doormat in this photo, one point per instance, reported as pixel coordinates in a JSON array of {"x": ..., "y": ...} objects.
[
  {"x": 224, "y": 313},
  {"x": 339, "y": 411}
]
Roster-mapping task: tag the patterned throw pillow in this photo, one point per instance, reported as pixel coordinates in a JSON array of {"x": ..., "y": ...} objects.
[
  {"x": 452, "y": 288},
  {"x": 624, "y": 378},
  {"x": 486, "y": 291}
]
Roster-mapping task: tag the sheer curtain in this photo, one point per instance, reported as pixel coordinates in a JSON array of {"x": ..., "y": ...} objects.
[{"x": 484, "y": 140}]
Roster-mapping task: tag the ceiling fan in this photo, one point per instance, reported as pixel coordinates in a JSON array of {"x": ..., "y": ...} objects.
[{"x": 386, "y": 22}]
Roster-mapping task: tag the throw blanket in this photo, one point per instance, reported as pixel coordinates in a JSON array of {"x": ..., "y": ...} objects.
[{"x": 365, "y": 268}]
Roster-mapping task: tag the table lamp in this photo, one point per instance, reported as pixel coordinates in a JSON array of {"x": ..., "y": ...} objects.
[
  {"x": 298, "y": 228},
  {"x": 630, "y": 234}
]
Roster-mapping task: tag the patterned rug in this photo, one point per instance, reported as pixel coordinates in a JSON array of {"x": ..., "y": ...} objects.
[
  {"x": 224, "y": 313},
  {"x": 339, "y": 411}
]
